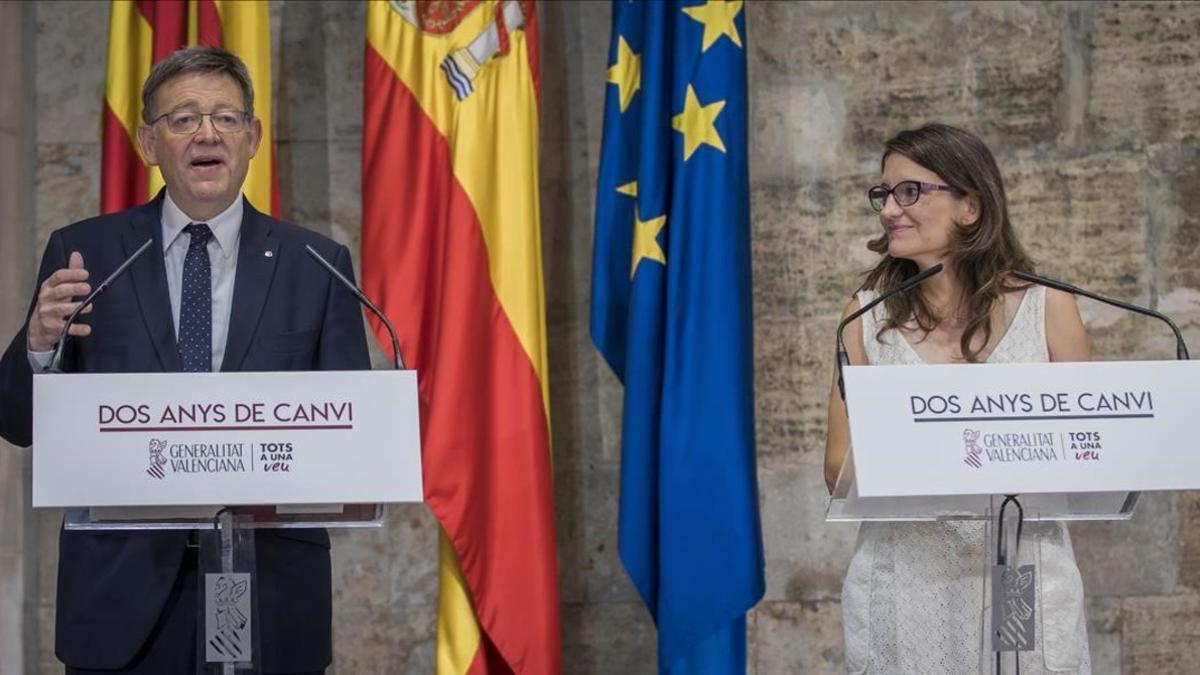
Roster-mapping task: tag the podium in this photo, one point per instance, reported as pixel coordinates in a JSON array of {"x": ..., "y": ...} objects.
[
  {"x": 222, "y": 455},
  {"x": 1013, "y": 443}
]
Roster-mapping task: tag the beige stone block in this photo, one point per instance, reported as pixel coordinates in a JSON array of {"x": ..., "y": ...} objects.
[
  {"x": 1086, "y": 220},
  {"x": 808, "y": 243},
  {"x": 72, "y": 42},
  {"x": 789, "y": 414},
  {"x": 806, "y": 558},
  {"x": 793, "y": 376},
  {"x": 797, "y": 637},
  {"x": 1144, "y": 59},
  {"x": 13, "y": 18},
  {"x": 568, "y": 171},
  {"x": 797, "y": 127},
  {"x": 303, "y": 168},
  {"x": 68, "y": 186},
  {"x": 557, "y": 120},
  {"x": 12, "y": 608},
  {"x": 1083, "y": 217},
  {"x": 592, "y": 416},
  {"x": 567, "y": 198},
  {"x": 608, "y": 413},
  {"x": 49, "y": 523},
  {"x": 345, "y": 194},
  {"x": 18, "y": 275},
  {"x": 360, "y": 571},
  {"x": 302, "y": 106},
  {"x": 574, "y": 62},
  {"x": 1175, "y": 213},
  {"x": 319, "y": 77},
  {"x": 1134, "y": 557},
  {"x": 589, "y": 562},
  {"x": 1104, "y": 635},
  {"x": 567, "y": 195},
  {"x": 14, "y": 499},
  {"x": 809, "y": 252},
  {"x": 48, "y": 664},
  {"x": 412, "y": 535},
  {"x": 602, "y": 638},
  {"x": 1160, "y": 634},
  {"x": 1175, "y": 238},
  {"x": 397, "y": 643},
  {"x": 995, "y": 68},
  {"x": 575, "y": 426},
  {"x": 386, "y": 569},
  {"x": 344, "y": 30},
  {"x": 779, "y": 244},
  {"x": 1185, "y": 536}
]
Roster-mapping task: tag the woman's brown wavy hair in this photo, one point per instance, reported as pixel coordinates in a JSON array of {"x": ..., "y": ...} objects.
[{"x": 981, "y": 255}]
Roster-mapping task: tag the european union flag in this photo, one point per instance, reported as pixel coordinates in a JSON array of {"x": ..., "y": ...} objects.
[{"x": 671, "y": 313}]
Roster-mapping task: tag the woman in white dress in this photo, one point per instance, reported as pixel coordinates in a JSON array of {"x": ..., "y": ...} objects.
[{"x": 913, "y": 599}]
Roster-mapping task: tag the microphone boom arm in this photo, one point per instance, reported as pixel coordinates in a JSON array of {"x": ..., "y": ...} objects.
[
  {"x": 1181, "y": 350},
  {"x": 60, "y": 347},
  {"x": 843, "y": 359},
  {"x": 366, "y": 302}
]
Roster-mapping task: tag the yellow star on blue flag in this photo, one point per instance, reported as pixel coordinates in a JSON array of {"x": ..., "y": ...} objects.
[{"x": 671, "y": 314}]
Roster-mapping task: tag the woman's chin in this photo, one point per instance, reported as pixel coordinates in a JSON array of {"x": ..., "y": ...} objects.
[
  {"x": 899, "y": 250},
  {"x": 922, "y": 255}
]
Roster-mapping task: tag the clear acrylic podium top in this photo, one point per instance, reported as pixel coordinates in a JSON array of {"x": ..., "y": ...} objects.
[
  {"x": 845, "y": 505},
  {"x": 202, "y": 517}
]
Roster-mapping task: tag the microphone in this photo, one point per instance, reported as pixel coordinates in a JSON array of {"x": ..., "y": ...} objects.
[
  {"x": 1181, "y": 350},
  {"x": 908, "y": 284},
  {"x": 62, "y": 337},
  {"x": 398, "y": 360}
]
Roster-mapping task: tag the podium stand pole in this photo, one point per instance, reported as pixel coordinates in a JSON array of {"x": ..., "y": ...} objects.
[
  {"x": 228, "y": 636},
  {"x": 1014, "y": 590}
]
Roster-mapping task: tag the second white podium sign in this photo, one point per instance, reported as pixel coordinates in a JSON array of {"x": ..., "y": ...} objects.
[{"x": 1024, "y": 428}]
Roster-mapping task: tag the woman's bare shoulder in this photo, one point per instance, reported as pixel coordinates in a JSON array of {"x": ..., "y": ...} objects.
[{"x": 1058, "y": 302}]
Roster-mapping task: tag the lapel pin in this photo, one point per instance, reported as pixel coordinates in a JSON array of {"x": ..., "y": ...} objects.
[{"x": 269, "y": 254}]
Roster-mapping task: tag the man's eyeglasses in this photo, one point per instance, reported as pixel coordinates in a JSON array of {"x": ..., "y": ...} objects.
[
  {"x": 184, "y": 122},
  {"x": 906, "y": 192}
]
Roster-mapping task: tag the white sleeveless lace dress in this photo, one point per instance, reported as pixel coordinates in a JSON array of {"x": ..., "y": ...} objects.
[{"x": 914, "y": 600}]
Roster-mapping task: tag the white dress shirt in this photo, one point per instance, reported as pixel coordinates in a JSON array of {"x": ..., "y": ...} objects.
[
  {"x": 222, "y": 254},
  {"x": 226, "y": 227}
]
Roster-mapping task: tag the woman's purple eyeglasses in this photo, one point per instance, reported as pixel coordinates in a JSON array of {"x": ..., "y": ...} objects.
[{"x": 906, "y": 192}]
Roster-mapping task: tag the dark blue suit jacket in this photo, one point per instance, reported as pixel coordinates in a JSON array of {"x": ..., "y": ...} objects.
[{"x": 287, "y": 314}]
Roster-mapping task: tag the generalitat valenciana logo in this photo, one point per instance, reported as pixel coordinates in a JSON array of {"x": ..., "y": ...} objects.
[{"x": 158, "y": 460}]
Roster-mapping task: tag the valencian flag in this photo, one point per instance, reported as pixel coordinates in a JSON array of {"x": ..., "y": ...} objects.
[
  {"x": 671, "y": 313},
  {"x": 451, "y": 250},
  {"x": 140, "y": 34}
]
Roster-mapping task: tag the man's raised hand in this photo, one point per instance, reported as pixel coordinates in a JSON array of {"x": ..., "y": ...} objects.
[{"x": 56, "y": 302}]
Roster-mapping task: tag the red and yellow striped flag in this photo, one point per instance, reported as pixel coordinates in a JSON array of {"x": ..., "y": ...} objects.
[
  {"x": 451, "y": 248},
  {"x": 141, "y": 33}
]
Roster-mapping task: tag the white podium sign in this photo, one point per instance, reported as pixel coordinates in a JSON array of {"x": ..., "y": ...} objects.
[
  {"x": 1024, "y": 428},
  {"x": 188, "y": 439}
]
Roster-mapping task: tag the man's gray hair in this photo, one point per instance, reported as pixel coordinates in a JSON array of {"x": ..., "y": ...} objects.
[{"x": 206, "y": 60}]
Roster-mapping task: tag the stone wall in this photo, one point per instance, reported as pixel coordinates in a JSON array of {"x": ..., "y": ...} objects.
[
  {"x": 18, "y": 535},
  {"x": 1092, "y": 110}
]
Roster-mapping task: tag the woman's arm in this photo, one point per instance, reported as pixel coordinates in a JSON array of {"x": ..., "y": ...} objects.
[
  {"x": 837, "y": 437},
  {"x": 1066, "y": 337}
]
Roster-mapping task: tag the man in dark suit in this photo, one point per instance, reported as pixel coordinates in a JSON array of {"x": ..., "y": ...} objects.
[{"x": 223, "y": 288}]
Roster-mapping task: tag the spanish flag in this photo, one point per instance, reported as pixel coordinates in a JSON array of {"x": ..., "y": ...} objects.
[
  {"x": 140, "y": 34},
  {"x": 451, "y": 249}
]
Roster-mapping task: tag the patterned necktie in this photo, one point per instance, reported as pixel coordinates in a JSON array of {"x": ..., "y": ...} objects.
[{"x": 195, "y": 308}]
